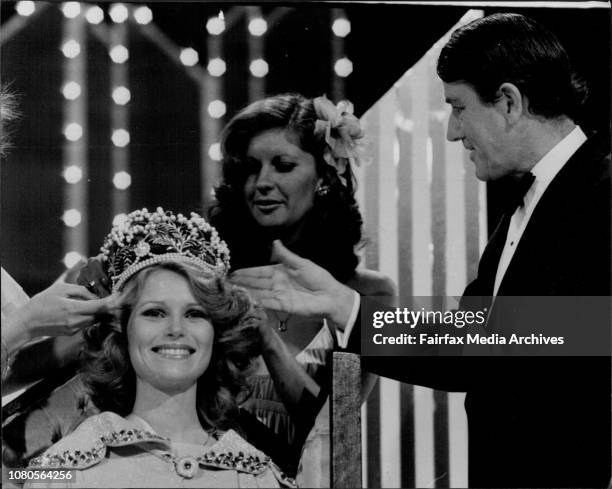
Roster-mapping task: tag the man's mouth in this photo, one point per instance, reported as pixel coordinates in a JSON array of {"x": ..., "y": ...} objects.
[{"x": 174, "y": 351}]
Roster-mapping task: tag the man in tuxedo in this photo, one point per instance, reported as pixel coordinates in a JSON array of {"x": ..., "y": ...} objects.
[{"x": 534, "y": 421}]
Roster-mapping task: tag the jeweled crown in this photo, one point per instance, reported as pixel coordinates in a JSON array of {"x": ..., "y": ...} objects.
[{"x": 146, "y": 238}]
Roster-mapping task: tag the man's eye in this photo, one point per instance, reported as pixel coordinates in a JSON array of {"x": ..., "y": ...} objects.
[
  {"x": 457, "y": 110},
  {"x": 153, "y": 313}
]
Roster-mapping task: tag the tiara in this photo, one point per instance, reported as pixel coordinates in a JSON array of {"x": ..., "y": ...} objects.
[{"x": 146, "y": 238}]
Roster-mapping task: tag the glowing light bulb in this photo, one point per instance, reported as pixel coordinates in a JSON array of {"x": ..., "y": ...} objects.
[
  {"x": 72, "y": 258},
  {"x": 341, "y": 27},
  {"x": 25, "y": 9},
  {"x": 71, "y": 218},
  {"x": 121, "y": 95},
  {"x": 143, "y": 15},
  {"x": 120, "y": 138},
  {"x": 71, "y": 90},
  {"x": 216, "y": 67},
  {"x": 216, "y": 109},
  {"x": 343, "y": 67},
  {"x": 258, "y": 26},
  {"x": 119, "y": 54},
  {"x": 73, "y": 174},
  {"x": 215, "y": 25},
  {"x": 71, "y": 48},
  {"x": 258, "y": 68},
  {"x": 118, "y": 13},
  {"x": 122, "y": 180},
  {"x": 189, "y": 56},
  {"x": 94, "y": 15},
  {"x": 71, "y": 10},
  {"x": 214, "y": 152},
  {"x": 73, "y": 132}
]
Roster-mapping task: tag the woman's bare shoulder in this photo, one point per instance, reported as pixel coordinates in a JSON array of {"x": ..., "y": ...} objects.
[{"x": 372, "y": 283}]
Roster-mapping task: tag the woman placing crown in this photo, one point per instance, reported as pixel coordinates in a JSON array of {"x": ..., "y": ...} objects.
[
  {"x": 287, "y": 175},
  {"x": 168, "y": 368}
]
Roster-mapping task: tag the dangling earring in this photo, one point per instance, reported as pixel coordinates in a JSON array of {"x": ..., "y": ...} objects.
[{"x": 322, "y": 191}]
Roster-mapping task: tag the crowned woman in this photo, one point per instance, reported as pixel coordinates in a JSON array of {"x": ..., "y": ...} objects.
[{"x": 167, "y": 369}]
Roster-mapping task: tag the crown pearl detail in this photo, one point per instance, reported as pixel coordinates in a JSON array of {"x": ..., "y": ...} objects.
[{"x": 146, "y": 238}]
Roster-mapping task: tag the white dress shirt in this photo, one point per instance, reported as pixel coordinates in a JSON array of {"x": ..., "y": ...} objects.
[{"x": 544, "y": 171}]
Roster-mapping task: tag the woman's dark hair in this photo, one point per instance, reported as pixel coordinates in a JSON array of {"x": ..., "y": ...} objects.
[
  {"x": 110, "y": 377},
  {"x": 332, "y": 228},
  {"x": 512, "y": 48}
]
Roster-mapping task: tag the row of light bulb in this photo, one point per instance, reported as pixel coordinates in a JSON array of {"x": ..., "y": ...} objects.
[
  {"x": 119, "y": 54},
  {"x": 94, "y": 15},
  {"x": 119, "y": 13},
  {"x": 258, "y": 67}
]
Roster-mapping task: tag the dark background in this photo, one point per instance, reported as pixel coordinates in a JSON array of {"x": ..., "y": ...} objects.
[{"x": 385, "y": 41}]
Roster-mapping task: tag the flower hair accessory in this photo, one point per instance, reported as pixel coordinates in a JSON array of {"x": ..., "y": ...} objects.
[
  {"x": 146, "y": 238},
  {"x": 341, "y": 130}
]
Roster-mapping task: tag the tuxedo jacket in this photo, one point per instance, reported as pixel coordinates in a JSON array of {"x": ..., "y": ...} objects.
[{"x": 539, "y": 421}]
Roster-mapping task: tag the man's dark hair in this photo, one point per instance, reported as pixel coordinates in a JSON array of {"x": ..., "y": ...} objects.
[{"x": 512, "y": 48}]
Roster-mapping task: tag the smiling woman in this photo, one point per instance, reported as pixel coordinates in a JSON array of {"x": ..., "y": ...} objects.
[
  {"x": 168, "y": 368},
  {"x": 286, "y": 174}
]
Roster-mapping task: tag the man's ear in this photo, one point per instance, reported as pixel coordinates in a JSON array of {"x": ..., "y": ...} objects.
[{"x": 511, "y": 102}]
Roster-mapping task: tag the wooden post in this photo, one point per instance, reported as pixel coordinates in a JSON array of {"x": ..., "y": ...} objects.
[{"x": 346, "y": 421}]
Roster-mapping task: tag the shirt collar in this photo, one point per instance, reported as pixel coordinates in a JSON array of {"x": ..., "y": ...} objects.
[
  {"x": 547, "y": 168},
  {"x": 551, "y": 163}
]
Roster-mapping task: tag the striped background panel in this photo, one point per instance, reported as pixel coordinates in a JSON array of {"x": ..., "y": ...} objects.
[{"x": 425, "y": 222}]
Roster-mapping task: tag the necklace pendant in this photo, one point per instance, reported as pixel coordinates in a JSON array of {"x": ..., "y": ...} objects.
[
  {"x": 282, "y": 325},
  {"x": 187, "y": 467}
]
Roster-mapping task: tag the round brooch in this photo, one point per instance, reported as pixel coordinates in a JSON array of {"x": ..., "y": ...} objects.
[{"x": 187, "y": 467}]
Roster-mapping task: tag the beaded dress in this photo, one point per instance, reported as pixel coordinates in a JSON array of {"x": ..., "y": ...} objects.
[{"x": 110, "y": 451}]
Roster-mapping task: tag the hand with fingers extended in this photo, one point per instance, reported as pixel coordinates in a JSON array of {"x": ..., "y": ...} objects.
[
  {"x": 61, "y": 309},
  {"x": 93, "y": 277},
  {"x": 297, "y": 286}
]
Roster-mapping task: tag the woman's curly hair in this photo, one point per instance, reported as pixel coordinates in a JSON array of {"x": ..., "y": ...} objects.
[
  {"x": 109, "y": 374},
  {"x": 331, "y": 229}
]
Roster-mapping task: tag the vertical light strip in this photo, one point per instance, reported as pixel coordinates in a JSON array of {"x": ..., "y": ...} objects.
[
  {"x": 404, "y": 127},
  {"x": 74, "y": 88},
  {"x": 339, "y": 32},
  {"x": 119, "y": 113},
  {"x": 258, "y": 67},
  {"x": 211, "y": 94},
  {"x": 364, "y": 443},
  {"x": 390, "y": 436},
  {"x": 368, "y": 200},
  {"x": 440, "y": 220},
  {"x": 422, "y": 258},
  {"x": 457, "y": 440}
]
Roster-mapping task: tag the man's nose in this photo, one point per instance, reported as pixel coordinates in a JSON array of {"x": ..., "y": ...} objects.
[{"x": 453, "y": 130}]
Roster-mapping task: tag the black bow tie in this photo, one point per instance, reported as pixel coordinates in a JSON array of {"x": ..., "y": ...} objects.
[{"x": 518, "y": 190}]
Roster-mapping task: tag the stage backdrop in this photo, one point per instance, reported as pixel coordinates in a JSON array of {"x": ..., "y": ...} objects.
[{"x": 425, "y": 215}]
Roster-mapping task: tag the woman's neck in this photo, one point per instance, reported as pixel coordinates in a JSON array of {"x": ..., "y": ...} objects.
[
  {"x": 172, "y": 415},
  {"x": 291, "y": 235}
]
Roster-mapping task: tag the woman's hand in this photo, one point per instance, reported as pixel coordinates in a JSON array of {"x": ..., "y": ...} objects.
[
  {"x": 92, "y": 277},
  {"x": 62, "y": 309},
  {"x": 297, "y": 286}
]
